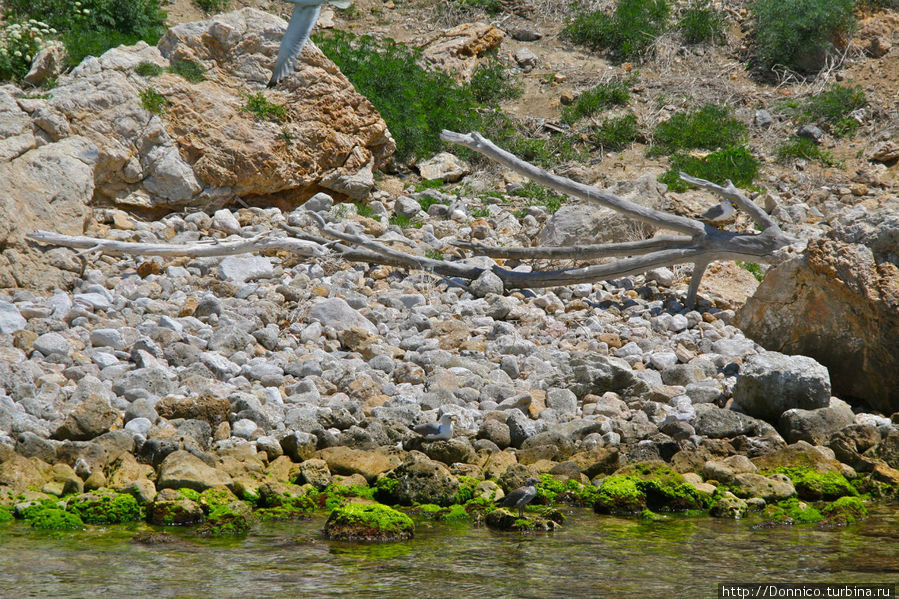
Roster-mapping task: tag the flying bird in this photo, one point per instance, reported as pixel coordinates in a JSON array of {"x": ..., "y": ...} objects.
[
  {"x": 521, "y": 496},
  {"x": 437, "y": 431},
  {"x": 301, "y": 23}
]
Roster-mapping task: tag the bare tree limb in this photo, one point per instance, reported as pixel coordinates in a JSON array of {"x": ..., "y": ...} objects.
[
  {"x": 607, "y": 250},
  {"x": 730, "y": 192}
]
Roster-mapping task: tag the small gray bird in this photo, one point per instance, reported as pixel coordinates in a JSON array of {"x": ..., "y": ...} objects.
[
  {"x": 718, "y": 215},
  {"x": 437, "y": 431},
  {"x": 301, "y": 23},
  {"x": 521, "y": 496}
]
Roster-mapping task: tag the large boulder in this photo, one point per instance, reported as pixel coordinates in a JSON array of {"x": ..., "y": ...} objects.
[
  {"x": 584, "y": 223},
  {"x": 420, "y": 480},
  {"x": 838, "y": 302},
  {"x": 182, "y": 469},
  {"x": 770, "y": 383},
  {"x": 91, "y": 418},
  {"x": 815, "y": 426}
]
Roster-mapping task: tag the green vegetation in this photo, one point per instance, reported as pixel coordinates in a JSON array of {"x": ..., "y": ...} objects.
[
  {"x": 55, "y": 519},
  {"x": 427, "y": 201},
  {"x": 797, "y": 34},
  {"x": 802, "y": 147},
  {"x": 212, "y": 6},
  {"x": 433, "y": 254},
  {"x": 259, "y": 105},
  {"x": 227, "y": 519},
  {"x": 94, "y": 26},
  {"x": 791, "y": 511},
  {"x": 701, "y": 23},
  {"x": 371, "y": 518},
  {"x": 492, "y": 82},
  {"x": 829, "y": 109},
  {"x": 18, "y": 45},
  {"x": 709, "y": 127},
  {"x": 400, "y": 221},
  {"x": 430, "y": 511},
  {"x": 616, "y": 133},
  {"x": 754, "y": 269},
  {"x": 815, "y": 486},
  {"x": 626, "y": 33},
  {"x": 189, "y": 69},
  {"x": 844, "y": 510},
  {"x": 148, "y": 69},
  {"x": 415, "y": 103},
  {"x": 335, "y": 495},
  {"x": 491, "y": 7},
  {"x": 189, "y": 494},
  {"x": 735, "y": 163},
  {"x": 538, "y": 195},
  {"x": 6, "y": 514},
  {"x": 428, "y": 184},
  {"x": 601, "y": 97},
  {"x": 153, "y": 100},
  {"x": 551, "y": 491},
  {"x": 480, "y": 212},
  {"x": 105, "y": 508},
  {"x": 364, "y": 210}
]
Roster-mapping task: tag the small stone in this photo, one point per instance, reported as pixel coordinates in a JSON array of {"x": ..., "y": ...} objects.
[
  {"x": 526, "y": 35},
  {"x": 810, "y": 132},
  {"x": 10, "y": 319},
  {"x": 224, "y": 220},
  {"x": 525, "y": 58},
  {"x": 444, "y": 166},
  {"x": 320, "y": 202},
  {"x": 52, "y": 343},
  {"x": 241, "y": 269}
]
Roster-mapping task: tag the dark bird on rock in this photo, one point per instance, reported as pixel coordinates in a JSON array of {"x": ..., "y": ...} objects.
[
  {"x": 303, "y": 19},
  {"x": 521, "y": 496},
  {"x": 437, "y": 431}
]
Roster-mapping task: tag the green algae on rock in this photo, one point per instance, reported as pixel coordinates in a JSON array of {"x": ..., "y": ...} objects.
[
  {"x": 232, "y": 518},
  {"x": 503, "y": 519},
  {"x": 105, "y": 508},
  {"x": 368, "y": 522},
  {"x": 844, "y": 510},
  {"x": 172, "y": 508},
  {"x": 56, "y": 519},
  {"x": 6, "y": 514},
  {"x": 652, "y": 485},
  {"x": 551, "y": 491},
  {"x": 429, "y": 511},
  {"x": 814, "y": 485},
  {"x": 791, "y": 511}
]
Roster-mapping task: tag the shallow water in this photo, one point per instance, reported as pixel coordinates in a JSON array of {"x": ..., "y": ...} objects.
[{"x": 591, "y": 556}]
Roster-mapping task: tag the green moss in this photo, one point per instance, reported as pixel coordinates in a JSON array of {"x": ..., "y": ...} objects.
[
  {"x": 467, "y": 487},
  {"x": 432, "y": 511},
  {"x": 148, "y": 69},
  {"x": 648, "y": 485},
  {"x": 225, "y": 520},
  {"x": 56, "y": 519},
  {"x": 619, "y": 495},
  {"x": 551, "y": 491},
  {"x": 815, "y": 486},
  {"x": 190, "y": 494},
  {"x": 844, "y": 510},
  {"x": 105, "y": 508},
  {"x": 375, "y": 516},
  {"x": 189, "y": 69},
  {"x": 210, "y": 499},
  {"x": 30, "y": 511},
  {"x": 6, "y": 514},
  {"x": 791, "y": 511},
  {"x": 384, "y": 487},
  {"x": 335, "y": 495}
]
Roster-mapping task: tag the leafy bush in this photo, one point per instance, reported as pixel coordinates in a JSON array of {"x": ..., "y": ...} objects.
[
  {"x": 259, "y": 105},
  {"x": 415, "y": 103},
  {"x": 798, "y": 33},
  {"x": 18, "y": 45},
  {"x": 492, "y": 82},
  {"x": 148, "y": 69},
  {"x": 601, "y": 97},
  {"x": 627, "y": 32},
  {"x": 538, "y": 195},
  {"x": 491, "y": 7},
  {"x": 701, "y": 23},
  {"x": 802, "y": 147},
  {"x": 153, "y": 100},
  {"x": 616, "y": 133},
  {"x": 754, "y": 269},
  {"x": 710, "y": 127},
  {"x": 735, "y": 163},
  {"x": 830, "y": 109},
  {"x": 94, "y": 26},
  {"x": 212, "y": 6},
  {"x": 189, "y": 69}
]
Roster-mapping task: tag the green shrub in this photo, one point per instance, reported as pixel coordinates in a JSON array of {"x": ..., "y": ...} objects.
[
  {"x": 754, "y": 269},
  {"x": 798, "y": 33},
  {"x": 801, "y": 147},
  {"x": 153, "y": 100},
  {"x": 701, "y": 23},
  {"x": 212, "y": 6},
  {"x": 538, "y": 195},
  {"x": 259, "y": 105},
  {"x": 710, "y": 127},
  {"x": 415, "y": 103},
  {"x": 90, "y": 27},
  {"x": 19, "y": 42},
  {"x": 148, "y": 69},
  {"x": 491, "y": 7},
  {"x": 189, "y": 69},
  {"x": 627, "y": 32},
  {"x": 616, "y": 133},
  {"x": 601, "y": 97},
  {"x": 830, "y": 109},
  {"x": 735, "y": 163},
  {"x": 492, "y": 82}
]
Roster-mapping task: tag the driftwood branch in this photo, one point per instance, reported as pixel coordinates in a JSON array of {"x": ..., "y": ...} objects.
[{"x": 698, "y": 243}]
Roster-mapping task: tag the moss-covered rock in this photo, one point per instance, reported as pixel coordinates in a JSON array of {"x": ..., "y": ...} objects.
[
  {"x": 503, "y": 519},
  {"x": 844, "y": 510},
  {"x": 791, "y": 511},
  {"x": 368, "y": 522},
  {"x": 214, "y": 497},
  {"x": 172, "y": 508},
  {"x": 813, "y": 485},
  {"x": 728, "y": 505},
  {"x": 231, "y": 518},
  {"x": 105, "y": 508},
  {"x": 55, "y": 519},
  {"x": 429, "y": 511},
  {"x": 419, "y": 480},
  {"x": 281, "y": 501},
  {"x": 551, "y": 491},
  {"x": 335, "y": 495},
  {"x": 652, "y": 485},
  {"x": 6, "y": 514}
]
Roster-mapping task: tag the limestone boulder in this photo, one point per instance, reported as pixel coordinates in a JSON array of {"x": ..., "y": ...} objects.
[
  {"x": 583, "y": 223},
  {"x": 182, "y": 469},
  {"x": 348, "y": 461},
  {"x": 770, "y": 383},
  {"x": 815, "y": 426},
  {"x": 838, "y": 302},
  {"x": 421, "y": 480},
  {"x": 457, "y": 50},
  {"x": 91, "y": 418}
]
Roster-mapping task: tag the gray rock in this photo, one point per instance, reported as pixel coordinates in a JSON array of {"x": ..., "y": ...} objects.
[
  {"x": 810, "y": 132},
  {"x": 139, "y": 426},
  {"x": 520, "y": 427},
  {"x": 337, "y": 314},
  {"x": 243, "y": 268},
  {"x": 406, "y": 206},
  {"x": 770, "y": 383},
  {"x": 487, "y": 283},
  {"x": 244, "y": 428},
  {"x": 89, "y": 419},
  {"x": 719, "y": 423},
  {"x": 320, "y": 202},
  {"x": 495, "y": 431},
  {"x": 815, "y": 426},
  {"x": 157, "y": 382},
  {"x": 52, "y": 343},
  {"x": 141, "y": 408},
  {"x": 299, "y": 446},
  {"x": 30, "y": 445},
  {"x": 771, "y": 488},
  {"x": 525, "y": 58},
  {"x": 107, "y": 338},
  {"x": 561, "y": 400},
  {"x": 10, "y": 318},
  {"x": 763, "y": 118},
  {"x": 182, "y": 469},
  {"x": 224, "y": 220}
]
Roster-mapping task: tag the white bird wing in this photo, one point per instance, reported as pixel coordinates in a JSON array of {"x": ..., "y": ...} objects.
[
  {"x": 341, "y": 3},
  {"x": 301, "y": 23}
]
